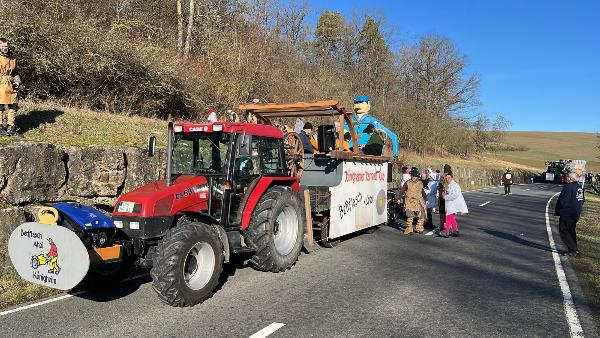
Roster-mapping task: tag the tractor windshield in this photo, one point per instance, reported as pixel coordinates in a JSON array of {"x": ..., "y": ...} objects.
[{"x": 200, "y": 153}]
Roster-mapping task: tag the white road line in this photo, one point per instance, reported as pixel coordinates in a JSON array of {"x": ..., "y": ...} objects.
[
  {"x": 484, "y": 204},
  {"x": 570, "y": 311},
  {"x": 56, "y": 299},
  {"x": 527, "y": 189},
  {"x": 267, "y": 330}
]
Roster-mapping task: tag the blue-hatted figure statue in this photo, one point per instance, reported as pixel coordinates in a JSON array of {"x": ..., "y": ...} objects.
[{"x": 362, "y": 106}]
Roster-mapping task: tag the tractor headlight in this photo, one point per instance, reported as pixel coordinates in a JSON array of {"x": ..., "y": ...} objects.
[
  {"x": 178, "y": 129},
  {"x": 218, "y": 127},
  {"x": 134, "y": 225},
  {"x": 118, "y": 224}
]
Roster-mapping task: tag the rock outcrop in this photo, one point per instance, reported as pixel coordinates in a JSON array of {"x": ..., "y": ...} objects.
[{"x": 36, "y": 172}]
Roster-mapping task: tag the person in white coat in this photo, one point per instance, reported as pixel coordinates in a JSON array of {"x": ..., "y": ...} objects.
[{"x": 455, "y": 203}]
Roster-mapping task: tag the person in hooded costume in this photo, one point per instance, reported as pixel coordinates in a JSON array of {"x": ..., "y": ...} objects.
[
  {"x": 414, "y": 202},
  {"x": 10, "y": 81}
]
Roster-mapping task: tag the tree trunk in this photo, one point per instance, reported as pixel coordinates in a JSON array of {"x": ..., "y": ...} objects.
[
  {"x": 179, "y": 27},
  {"x": 190, "y": 27}
]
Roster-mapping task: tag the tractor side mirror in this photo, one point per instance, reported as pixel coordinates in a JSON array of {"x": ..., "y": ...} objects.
[
  {"x": 151, "y": 145},
  {"x": 244, "y": 142}
]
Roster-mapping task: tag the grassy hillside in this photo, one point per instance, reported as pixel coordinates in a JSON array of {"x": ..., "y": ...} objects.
[
  {"x": 545, "y": 146},
  {"x": 80, "y": 127}
]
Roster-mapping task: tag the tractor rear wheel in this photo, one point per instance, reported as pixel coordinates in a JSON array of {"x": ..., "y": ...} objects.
[
  {"x": 187, "y": 264},
  {"x": 276, "y": 230}
]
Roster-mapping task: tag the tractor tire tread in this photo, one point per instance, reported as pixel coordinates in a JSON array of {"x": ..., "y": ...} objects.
[
  {"x": 258, "y": 232},
  {"x": 166, "y": 263}
]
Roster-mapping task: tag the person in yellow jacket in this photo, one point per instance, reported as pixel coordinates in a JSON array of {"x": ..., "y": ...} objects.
[
  {"x": 9, "y": 85},
  {"x": 414, "y": 202}
]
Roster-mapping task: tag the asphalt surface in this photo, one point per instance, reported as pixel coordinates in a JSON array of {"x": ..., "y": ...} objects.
[{"x": 497, "y": 279}]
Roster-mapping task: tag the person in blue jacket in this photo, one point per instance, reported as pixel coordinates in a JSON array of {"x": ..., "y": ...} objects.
[
  {"x": 362, "y": 106},
  {"x": 568, "y": 207},
  {"x": 305, "y": 138}
]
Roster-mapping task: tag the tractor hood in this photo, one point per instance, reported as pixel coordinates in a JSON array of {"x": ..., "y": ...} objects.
[{"x": 156, "y": 199}]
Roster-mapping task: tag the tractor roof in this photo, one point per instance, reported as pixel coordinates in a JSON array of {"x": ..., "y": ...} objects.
[
  {"x": 297, "y": 109},
  {"x": 264, "y": 130}
]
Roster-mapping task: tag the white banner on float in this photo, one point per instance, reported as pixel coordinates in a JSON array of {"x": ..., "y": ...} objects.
[{"x": 360, "y": 200}]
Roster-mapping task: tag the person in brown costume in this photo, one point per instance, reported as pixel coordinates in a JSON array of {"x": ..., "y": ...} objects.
[
  {"x": 9, "y": 85},
  {"x": 414, "y": 202}
]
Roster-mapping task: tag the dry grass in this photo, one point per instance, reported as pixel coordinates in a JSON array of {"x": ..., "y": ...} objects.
[
  {"x": 479, "y": 162},
  {"x": 80, "y": 127},
  {"x": 548, "y": 146},
  {"x": 588, "y": 242},
  {"x": 14, "y": 290}
]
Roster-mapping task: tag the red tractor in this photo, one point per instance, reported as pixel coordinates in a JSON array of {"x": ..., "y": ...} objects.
[{"x": 226, "y": 191}]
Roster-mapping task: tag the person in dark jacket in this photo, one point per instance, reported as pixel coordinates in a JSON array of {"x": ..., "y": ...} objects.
[
  {"x": 375, "y": 144},
  {"x": 507, "y": 181},
  {"x": 305, "y": 138},
  {"x": 568, "y": 207}
]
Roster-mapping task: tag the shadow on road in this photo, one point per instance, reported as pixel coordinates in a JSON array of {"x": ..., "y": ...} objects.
[{"x": 516, "y": 239}]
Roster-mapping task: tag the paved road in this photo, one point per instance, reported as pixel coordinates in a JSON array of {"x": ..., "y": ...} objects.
[{"x": 498, "y": 278}]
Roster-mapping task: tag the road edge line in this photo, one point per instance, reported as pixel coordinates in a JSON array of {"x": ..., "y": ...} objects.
[
  {"x": 69, "y": 295},
  {"x": 575, "y": 328},
  {"x": 267, "y": 330}
]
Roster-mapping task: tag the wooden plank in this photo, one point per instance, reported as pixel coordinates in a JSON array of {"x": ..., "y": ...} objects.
[{"x": 309, "y": 230}]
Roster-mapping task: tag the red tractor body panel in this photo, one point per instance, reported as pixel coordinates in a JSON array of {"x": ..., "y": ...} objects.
[
  {"x": 259, "y": 191},
  {"x": 188, "y": 192},
  {"x": 232, "y": 127}
]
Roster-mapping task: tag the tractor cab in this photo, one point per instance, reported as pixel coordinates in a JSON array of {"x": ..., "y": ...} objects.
[{"x": 209, "y": 169}]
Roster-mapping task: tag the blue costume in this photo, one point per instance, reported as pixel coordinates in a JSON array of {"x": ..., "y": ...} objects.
[{"x": 370, "y": 119}]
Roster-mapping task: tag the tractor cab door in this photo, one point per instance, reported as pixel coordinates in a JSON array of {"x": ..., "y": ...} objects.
[
  {"x": 246, "y": 169},
  {"x": 254, "y": 157}
]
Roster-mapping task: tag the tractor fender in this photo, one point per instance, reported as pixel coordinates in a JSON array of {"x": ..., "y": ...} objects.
[
  {"x": 259, "y": 189},
  {"x": 215, "y": 224}
]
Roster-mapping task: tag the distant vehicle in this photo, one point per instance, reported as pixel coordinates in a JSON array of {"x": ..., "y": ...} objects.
[{"x": 555, "y": 170}]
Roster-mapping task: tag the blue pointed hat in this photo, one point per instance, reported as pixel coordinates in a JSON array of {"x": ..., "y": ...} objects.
[{"x": 360, "y": 99}]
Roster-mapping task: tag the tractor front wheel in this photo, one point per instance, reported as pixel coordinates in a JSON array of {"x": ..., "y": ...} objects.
[
  {"x": 187, "y": 264},
  {"x": 276, "y": 230}
]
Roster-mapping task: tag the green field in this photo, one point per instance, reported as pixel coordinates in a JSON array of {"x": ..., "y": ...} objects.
[{"x": 546, "y": 146}]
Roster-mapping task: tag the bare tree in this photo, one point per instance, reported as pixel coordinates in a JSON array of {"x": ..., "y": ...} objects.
[
  {"x": 190, "y": 29},
  {"x": 179, "y": 27}
]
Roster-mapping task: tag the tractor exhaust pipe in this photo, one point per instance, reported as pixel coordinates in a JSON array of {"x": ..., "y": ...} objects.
[{"x": 169, "y": 153}]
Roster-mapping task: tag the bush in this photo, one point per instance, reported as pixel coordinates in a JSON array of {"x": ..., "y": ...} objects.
[{"x": 77, "y": 63}]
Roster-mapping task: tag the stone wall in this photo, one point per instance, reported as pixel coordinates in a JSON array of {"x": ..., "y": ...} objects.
[{"x": 32, "y": 174}]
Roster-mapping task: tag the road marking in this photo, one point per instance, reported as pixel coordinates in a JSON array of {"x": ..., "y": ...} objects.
[
  {"x": 267, "y": 330},
  {"x": 527, "y": 189},
  {"x": 63, "y": 297},
  {"x": 484, "y": 204},
  {"x": 570, "y": 311}
]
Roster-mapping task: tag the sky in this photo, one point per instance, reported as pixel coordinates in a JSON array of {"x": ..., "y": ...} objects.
[{"x": 538, "y": 61}]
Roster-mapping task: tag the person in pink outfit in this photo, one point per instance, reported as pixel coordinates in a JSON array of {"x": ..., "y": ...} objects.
[{"x": 455, "y": 203}]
